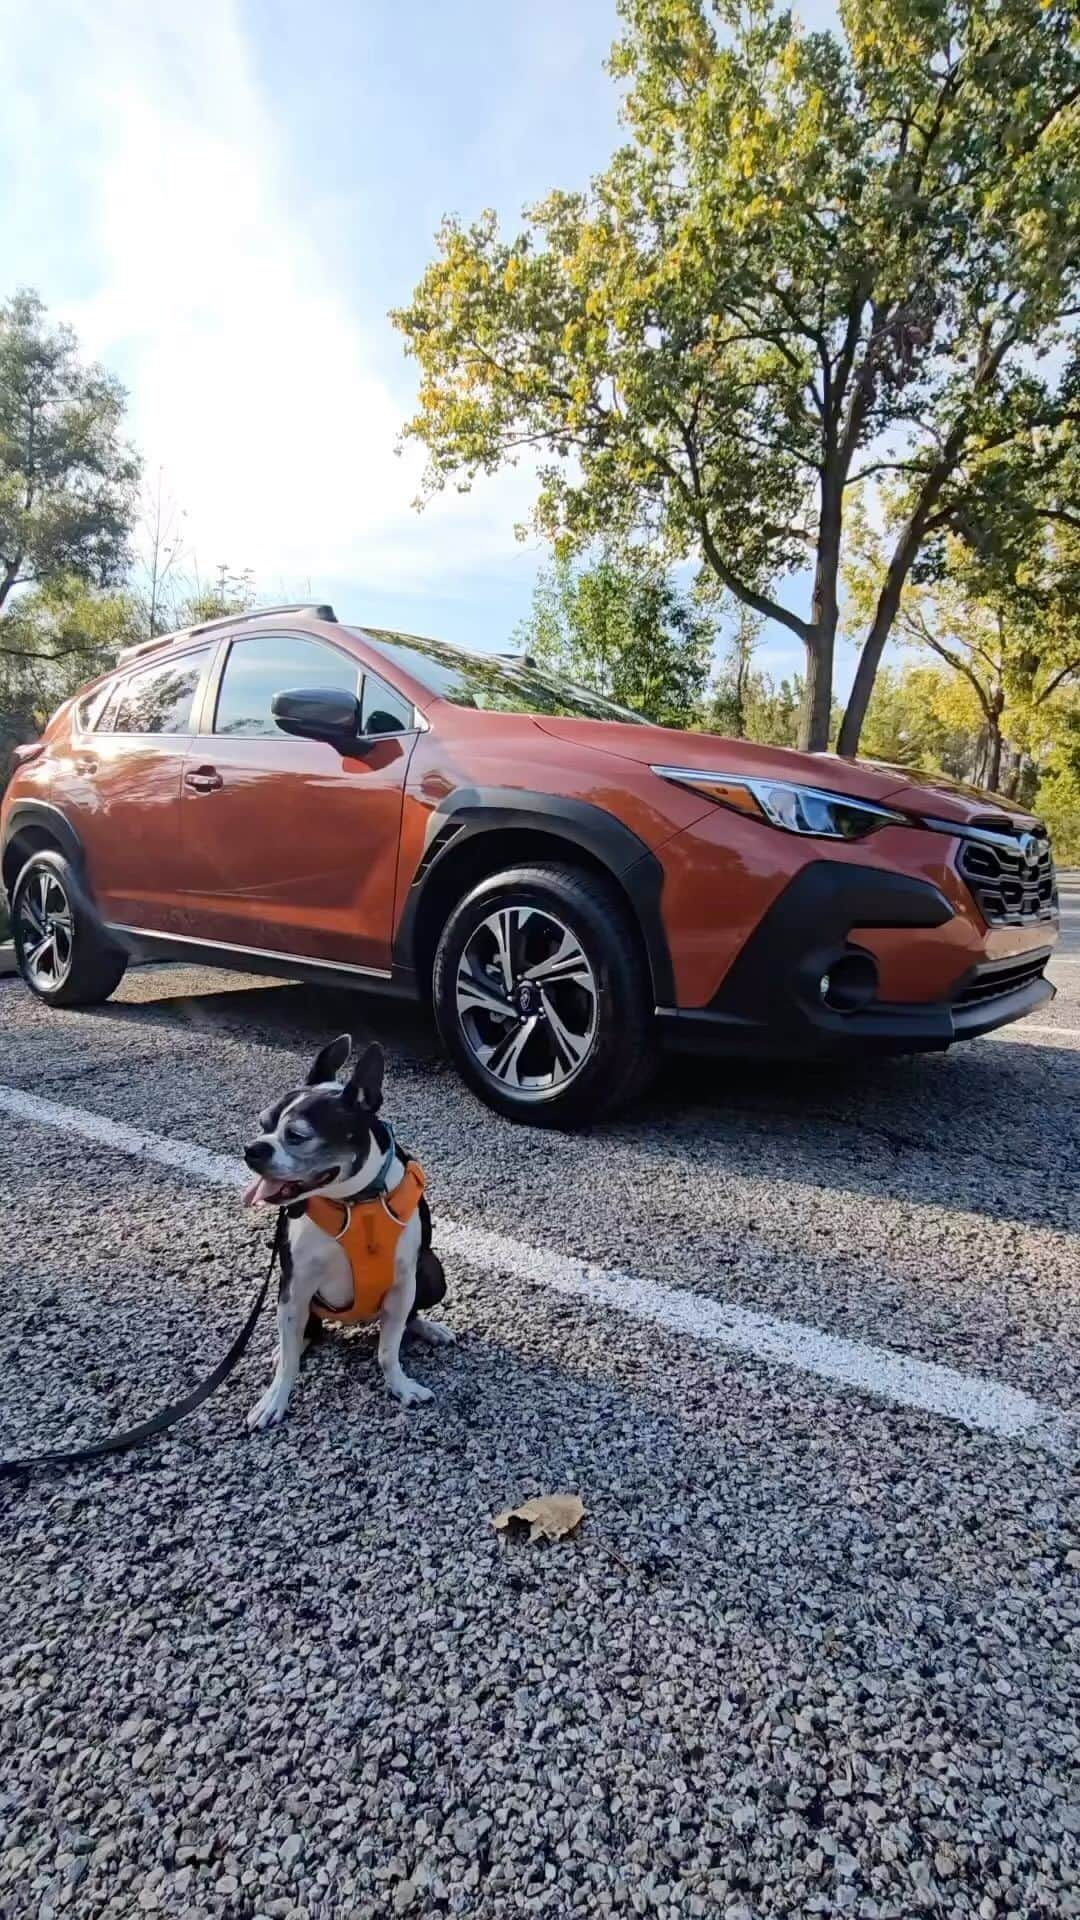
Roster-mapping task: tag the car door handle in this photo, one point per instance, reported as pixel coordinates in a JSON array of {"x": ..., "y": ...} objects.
[{"x": 203, "y": 780}]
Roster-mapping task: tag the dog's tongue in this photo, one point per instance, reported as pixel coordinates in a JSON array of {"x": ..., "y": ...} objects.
[{"x": 263, "y": 1192}]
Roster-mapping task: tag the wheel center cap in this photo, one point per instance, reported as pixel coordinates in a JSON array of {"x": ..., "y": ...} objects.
[{"x": 526, "y": 998}]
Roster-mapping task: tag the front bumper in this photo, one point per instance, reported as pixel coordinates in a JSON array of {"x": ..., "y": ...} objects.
[{"x": 770, "y": 1002}]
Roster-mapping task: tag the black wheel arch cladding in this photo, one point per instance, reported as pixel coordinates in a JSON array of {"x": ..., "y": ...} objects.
[
  {"x": 466, "y": 816},
  {"x": 41, "y": 828}
]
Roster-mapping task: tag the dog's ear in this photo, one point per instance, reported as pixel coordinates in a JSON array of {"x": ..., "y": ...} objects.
[
  {"x": 331, "y": 1059},
  {"x": 366, "y": 1080}
]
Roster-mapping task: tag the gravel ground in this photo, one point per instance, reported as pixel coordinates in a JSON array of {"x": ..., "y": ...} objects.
[{"x": 808, "y": 1654}]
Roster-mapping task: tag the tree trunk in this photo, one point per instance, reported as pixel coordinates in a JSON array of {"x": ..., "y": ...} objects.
[
  {"x": 816, "y": 716},
  {"x": 885, "y": 613},
  {"x": 8, "y": 577},
  {"x": 993, "y": 756},
  {"x": 900, "y": 566}
]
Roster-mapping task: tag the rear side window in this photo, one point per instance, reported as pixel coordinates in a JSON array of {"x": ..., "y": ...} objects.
[
  {"x": 272, "y": 663},
  {"x": 157, "y": 699},
  {"x": 90, "y": 709},
  {"x": 384, "y": 711}
]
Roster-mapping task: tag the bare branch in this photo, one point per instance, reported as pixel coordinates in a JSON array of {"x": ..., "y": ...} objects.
[
  {"x": 1059, "y": 678},
  {"x": 886, "y": 466},
  {"x": 761, "y": 603}
]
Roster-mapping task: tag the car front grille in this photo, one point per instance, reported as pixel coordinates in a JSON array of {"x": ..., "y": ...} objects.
[
  {"x": 992, "y": 982},
  {"x": 1011, "y": 876}
]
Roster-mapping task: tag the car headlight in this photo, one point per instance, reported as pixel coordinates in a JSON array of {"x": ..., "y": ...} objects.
[{"x": 797, "y": 809}]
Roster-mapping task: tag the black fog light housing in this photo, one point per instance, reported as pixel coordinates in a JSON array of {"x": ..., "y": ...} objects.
[{"x": 848, "y": 983}]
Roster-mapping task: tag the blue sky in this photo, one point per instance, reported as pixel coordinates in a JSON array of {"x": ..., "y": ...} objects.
[{"x": 226, "y": 197}]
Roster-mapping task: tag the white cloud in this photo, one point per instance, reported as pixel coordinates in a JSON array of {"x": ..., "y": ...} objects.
[{"x": 252, "y": 383}]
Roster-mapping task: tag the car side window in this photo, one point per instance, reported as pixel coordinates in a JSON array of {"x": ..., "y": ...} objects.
[
  {"x": 157, "y": 699},
  {"x": 89, "y": 710},
  {"x": 383, "y": 710},
  {"x": 270, "y": 663}
]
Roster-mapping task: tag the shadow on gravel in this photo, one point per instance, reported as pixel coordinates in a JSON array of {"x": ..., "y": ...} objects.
[
  {"x": 992, "y": 1127},
  {"x": 281, "y": 1014}
]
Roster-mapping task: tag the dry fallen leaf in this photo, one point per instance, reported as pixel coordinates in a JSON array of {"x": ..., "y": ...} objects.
[{"x": 549, "y": 1518}]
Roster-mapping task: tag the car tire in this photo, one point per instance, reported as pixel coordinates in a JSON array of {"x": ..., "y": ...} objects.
[
  {"x": 542, "y": 994},
  {"x": 81, "y": 967}
]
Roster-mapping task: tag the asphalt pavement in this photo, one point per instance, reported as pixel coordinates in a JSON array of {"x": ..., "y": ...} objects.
[{"x": 811, "y": 1651}]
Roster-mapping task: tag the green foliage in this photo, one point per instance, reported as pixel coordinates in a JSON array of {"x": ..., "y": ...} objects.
[
  {"x": 67, "y": 506},
  {"x": 1007, "y": 629},
  {"x": 1058, "y": 796},
  {"x": 816, "y": 254},
  {"x": 196, "y": 600},
  {"x": 67, "y": 478},
  {"x": 53, "y": 639},
  {"x": 623, "y": 629},
  {"x": 746, "y": 704},
  {"x": 925, "y": 718}
]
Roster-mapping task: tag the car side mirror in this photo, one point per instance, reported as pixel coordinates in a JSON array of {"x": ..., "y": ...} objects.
[{"x": 320, "y": 713}]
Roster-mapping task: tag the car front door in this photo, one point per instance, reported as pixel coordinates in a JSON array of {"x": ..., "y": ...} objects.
[
  {"x": 290, "y": 846},
  {"x": 121, "y": 789}
]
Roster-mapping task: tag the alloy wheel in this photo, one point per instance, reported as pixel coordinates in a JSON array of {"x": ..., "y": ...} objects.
[
  {"x": 527, "y": 1000},
  {"x": 46, "y": 928}
]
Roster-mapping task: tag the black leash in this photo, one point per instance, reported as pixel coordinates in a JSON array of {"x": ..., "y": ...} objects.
[{"x": 169, "y": 1416}]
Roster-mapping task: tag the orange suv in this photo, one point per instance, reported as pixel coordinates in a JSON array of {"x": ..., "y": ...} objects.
[{"x": 572, "y": 886}]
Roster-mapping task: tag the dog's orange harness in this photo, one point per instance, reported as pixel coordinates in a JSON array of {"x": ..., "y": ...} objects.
[{"x": 368, "y": 1232}]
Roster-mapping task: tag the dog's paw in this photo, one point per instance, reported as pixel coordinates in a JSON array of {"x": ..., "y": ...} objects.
[
  {"x": 269, "y": 1411},
  {"x": 433, "y": 1333},
  {"x": 409, "y": 1392}
]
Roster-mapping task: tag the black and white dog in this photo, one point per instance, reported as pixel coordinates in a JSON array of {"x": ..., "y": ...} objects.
[{"x": 324, "y": 1143}]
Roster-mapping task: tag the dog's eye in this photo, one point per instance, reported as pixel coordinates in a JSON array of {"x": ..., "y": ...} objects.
[{"x": 293, "y": 1137}]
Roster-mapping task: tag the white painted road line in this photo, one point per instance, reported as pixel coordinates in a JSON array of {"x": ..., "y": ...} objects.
[{"x": 984, "y": 1405}]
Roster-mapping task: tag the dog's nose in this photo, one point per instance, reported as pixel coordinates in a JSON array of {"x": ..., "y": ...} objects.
[{"x": 259, "y": 1154}]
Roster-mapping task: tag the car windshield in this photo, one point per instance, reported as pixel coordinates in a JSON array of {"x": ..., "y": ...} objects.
[{"x": 493, "y": 682}]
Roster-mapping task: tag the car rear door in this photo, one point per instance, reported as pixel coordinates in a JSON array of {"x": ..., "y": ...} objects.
[
  {"x": 290, "y": 846},
  {"x": 120, "y": 787}
]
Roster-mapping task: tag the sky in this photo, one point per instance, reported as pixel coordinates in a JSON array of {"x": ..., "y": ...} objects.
[{"x": 225, "y": 198}]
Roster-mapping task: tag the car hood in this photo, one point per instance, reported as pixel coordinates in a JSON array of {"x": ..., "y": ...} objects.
[{"x": 903, "y": 787}]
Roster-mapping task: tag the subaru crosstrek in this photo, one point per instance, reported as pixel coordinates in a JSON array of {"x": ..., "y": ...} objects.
[{"x": 572, "y": 886}]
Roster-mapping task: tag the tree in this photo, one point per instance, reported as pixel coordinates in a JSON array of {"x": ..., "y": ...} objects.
[
  {"x": 1058, "y": 796},
  {"x": 623, "y": 629},
  {"x": 53, "y": 639},
  {"x": 161, "y": 551},
  {"x": 817, "y": 256},
  {"x": 199, "y": 600},
  {"x": 1009, "y": 629},
  {"x": 926, "y": 718},
  {"x": 67, "y": 478},
  {"x": 737, "y": 682}
]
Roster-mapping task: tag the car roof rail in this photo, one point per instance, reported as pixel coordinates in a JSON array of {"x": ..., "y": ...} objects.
[{"x": 314, "y": 610}]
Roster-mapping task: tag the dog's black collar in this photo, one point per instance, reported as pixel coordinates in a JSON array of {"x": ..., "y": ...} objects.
[{"x": 381, "y": 1182}]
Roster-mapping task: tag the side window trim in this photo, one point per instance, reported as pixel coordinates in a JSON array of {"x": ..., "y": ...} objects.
[
  {"x": 202, "y": 718},
  {"x": 374, "y": 682},
  {"x": 117, "y": 688},
  {"x": 95, "y": 705},
  {"x": 212, "y": 696}
]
